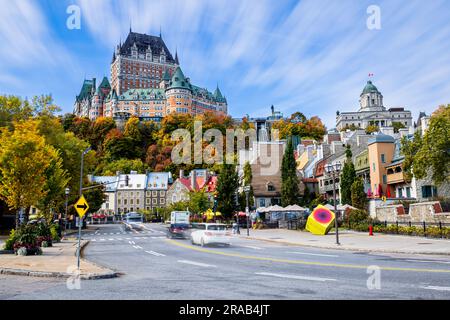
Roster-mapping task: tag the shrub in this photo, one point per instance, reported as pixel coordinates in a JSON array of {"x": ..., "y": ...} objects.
[
  {"x": 44, "y": 244},
  {"x": 9, "y": 243},
  {"x": 355, "y": 217},
  {"x": 54, "y": 231}
]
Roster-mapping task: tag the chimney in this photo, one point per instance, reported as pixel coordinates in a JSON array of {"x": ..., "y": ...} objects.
[
  {"x": 193, "y": 180},
  {"x": 181, "y": 173}
]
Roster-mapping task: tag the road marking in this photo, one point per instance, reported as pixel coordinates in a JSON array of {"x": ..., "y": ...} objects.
[
  {"x": 429, "y": 261},
  {"x": 131, "y": 242},
  {"x": 117, "y": 232},
  {"x": 120, "y": 239},
  {"x": 313, "y": 254},
  {"x": 199, "y": 264},
  {"x": 93, "y": 240},
  {"x": 137, "y": 247},
  {"x": 96, "y": 232},
  {"x": 111, "y": 239},
  {"x": 251, "y": 247},
  {"x": 288, "y": 276},
  {"x": 156, "y": 253},
  {"x": 127, "y": 238},
  {"x": 136, "y": 238},
  {"x": 437, "y": 288},
  {"x": 143, "y": 237},
  {"x": 105, "y": 234},
  {"x": 311, "y": 263},
  {"x": 102, "y": 239}
]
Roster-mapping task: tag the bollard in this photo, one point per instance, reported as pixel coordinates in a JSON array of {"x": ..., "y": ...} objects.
[{"x": 370, "y": 230}]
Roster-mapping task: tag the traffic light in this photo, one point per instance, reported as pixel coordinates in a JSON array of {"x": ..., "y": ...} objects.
[{"x": 126, "y": 180}]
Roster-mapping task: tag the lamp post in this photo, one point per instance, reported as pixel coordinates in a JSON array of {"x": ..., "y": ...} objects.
[
  {"x": 247, "y": 211},
  {"x": 67, "y": 191},
  {"x": 333, "y": 171},
  {"x": 238, "y": 231}
]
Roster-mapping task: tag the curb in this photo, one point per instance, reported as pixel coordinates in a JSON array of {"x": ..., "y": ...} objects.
[
  {"x": 62, "y": 275},
  {"x": 349, "y": 249}
]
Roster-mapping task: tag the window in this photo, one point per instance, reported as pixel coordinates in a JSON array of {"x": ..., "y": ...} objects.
[
  {"x": 154, "y": 201},
  {"x": 162, "y": 193},
  {"x": 131, "y": 201},
  {"x": 373, "y": 166},
  {"x": 262, "y": 202},
  {"x": 400, "y": 192},
  {"x": 270, "y": 187},
  {"x": 384, "y": 179},
  {"x": 162, "y": 201},
  {"x": 408, "y": 192},
  {"x": 429, "y": 191},
  {"x": 383, "y": 158}
]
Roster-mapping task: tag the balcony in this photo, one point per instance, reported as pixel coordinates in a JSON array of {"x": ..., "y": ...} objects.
[{"x": 395, "y": 175}]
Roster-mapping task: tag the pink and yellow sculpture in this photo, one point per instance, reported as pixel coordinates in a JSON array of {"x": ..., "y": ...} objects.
[{"x": 320, "y": 221}]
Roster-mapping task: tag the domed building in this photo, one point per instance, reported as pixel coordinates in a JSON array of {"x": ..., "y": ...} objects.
[{"x": 372, "y": 112}]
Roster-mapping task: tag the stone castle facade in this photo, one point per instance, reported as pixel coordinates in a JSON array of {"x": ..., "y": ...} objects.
[{"x": 146, "y": 82}]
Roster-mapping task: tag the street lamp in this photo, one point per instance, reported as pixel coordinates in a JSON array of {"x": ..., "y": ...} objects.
[
  {"x": 238, "y": 231},
  {"x": 247, "y": 211},
  {"x": 67, "y": 191},
  {"x": 333, "y": 171}
]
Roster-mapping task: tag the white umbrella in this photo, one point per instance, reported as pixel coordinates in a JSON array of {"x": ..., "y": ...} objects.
[
  {"x": 294, "y": 208},
  {"x": 262, "y": 209},
  {"x": 275, "y": 208}
]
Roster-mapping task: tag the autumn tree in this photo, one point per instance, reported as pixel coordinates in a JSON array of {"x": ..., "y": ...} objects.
[
  {"x": 13, "y": 109},
  {"x": 124, "y": 166},
  {"x": 198, "y": 201},
  {"x": 24, "y": 160}
]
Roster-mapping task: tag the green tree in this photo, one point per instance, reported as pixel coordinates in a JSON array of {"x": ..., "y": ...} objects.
[
  {"x": 227, "y": 185},
  {"x": 247, "y": 181},
  {"x": 397, "y": 126},
  {"x": 24, "y": 159},
  {"x": 289, "y": 179},
  {"x": 347, "y": 178},
  {"x": 124, "y": 166},
  {"x": 198, "y": 202},
  {"x": 359, "y": 197},
  {"x": 431, "y": 153},
  {"x": 12, "y": 109}
]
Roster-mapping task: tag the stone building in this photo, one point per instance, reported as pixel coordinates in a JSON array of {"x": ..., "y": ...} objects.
[{"x": 372, "y": 112}]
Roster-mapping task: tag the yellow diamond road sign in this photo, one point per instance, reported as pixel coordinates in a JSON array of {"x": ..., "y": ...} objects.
[{"x": 81, "y": 206}]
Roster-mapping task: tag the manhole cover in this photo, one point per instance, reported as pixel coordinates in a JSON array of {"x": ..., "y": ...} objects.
[{"x": 424, "y": 243}]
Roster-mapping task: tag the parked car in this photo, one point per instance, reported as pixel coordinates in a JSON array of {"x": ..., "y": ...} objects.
[
  {"x": 211, "y": 233},
  {"x": 179, "y": 230}
]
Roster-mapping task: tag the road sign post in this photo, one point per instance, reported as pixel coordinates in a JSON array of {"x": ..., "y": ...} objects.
[{"x": 81, "y": 206}]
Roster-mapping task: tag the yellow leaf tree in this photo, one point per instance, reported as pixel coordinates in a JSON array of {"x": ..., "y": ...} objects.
[{"x": 24, "y": 159}]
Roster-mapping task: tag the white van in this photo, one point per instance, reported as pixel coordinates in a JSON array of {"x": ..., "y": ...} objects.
[{"x": 179, "y": 217}]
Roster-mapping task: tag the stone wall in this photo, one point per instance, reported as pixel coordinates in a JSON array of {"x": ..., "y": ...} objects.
[{"x": 418, "y": 212}]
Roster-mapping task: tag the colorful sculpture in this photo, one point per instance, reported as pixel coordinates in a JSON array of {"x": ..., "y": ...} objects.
[{"x": 320, "y": 221}]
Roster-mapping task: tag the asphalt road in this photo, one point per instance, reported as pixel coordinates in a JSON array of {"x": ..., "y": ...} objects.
[{"x": 154, "y": 267}]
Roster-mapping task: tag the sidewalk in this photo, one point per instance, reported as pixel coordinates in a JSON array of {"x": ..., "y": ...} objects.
[
  {"x": 57, "y": 261},
  {"x": 356, "y": 241}
]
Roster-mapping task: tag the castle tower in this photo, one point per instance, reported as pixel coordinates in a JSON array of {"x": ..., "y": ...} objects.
[{"x": 178, "y": 94}]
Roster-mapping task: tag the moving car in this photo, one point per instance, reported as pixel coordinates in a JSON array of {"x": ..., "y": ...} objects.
[
  {"x": 211, "y": 233},
  {"x": 179, "y": 230}
]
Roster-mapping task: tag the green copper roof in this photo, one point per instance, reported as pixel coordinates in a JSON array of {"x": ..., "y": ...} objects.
[
  {"x": 86, "y": 89},
  {"x": 166, "y": 76},
  {"x": 143, "y": 94},
  {"x": 218, "y": 95},
  {"x": 179, "y": 80},
  {"x": 369, "y": 88}
]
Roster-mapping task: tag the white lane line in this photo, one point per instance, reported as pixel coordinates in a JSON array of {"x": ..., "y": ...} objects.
[
  {"x": 156, "y": 253},
  {"x": 289, "y": 276},
  {"x": 111, "y": 239},
  {"x": 251, "y": 247},
  {"x": 143, "y": 237},
  {"x": 93, "y": 240},
  {"x": 117, "y": 232},
  {"x": 137, "y": 247},
  {"x": 429, "y": 261},
  {"x": 105, "y": 234},
  {"x": 136, "y": 238},
  {"x": 120, "y": 239},
  {"x": 131, "y": 242},
  {"x": 96, "y": 232},
  {"x": 313, "y": 254},
  {"x": 437, "y": 288},
  {"x": 102, "y": 239},
  {"x": 197, "y": 264},
  {"x": 127, "y": 238}
]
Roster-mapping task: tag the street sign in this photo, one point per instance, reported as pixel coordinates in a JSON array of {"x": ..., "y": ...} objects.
[
  {"x": 383, "y": 198},
  {"x": 81, "y": 206}
]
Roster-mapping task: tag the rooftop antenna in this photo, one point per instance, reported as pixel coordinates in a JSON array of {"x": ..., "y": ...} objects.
[{"x": 160, "y": 33}]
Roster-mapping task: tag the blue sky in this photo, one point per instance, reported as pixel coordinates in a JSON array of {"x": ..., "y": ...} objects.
[{"x": 311, "y": 56}]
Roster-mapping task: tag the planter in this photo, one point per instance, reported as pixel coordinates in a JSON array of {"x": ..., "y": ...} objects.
[{"x": 29, "y": 251}]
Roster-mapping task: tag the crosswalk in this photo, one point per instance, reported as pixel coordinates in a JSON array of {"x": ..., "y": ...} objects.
[{"x": 99, "y": 236}]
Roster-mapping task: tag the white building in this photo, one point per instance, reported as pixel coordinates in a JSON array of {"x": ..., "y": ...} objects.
[
  {"x": 372, "y": 112},
  {"x": 110, "y": 183}
]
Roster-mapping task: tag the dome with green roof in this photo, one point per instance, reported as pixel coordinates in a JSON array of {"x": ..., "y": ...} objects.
[
  {"x": 370, "y": 88},
  {"x": 179, "y": 80}
]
